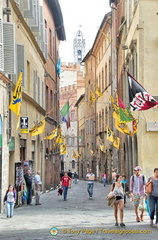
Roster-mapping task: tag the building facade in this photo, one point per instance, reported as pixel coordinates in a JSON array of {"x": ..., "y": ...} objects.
[{"x": 55, "y": 32}]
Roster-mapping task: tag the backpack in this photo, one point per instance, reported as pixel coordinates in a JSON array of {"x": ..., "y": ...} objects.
[{"x": 143, "y": 179}]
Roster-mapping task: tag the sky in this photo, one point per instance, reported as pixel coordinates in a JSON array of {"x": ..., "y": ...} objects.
[{"x": 85, "y": 13}]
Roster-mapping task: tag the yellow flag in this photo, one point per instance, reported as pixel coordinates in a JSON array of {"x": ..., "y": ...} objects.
[
  {"x": 122, "y": 127},
  {"x": 98, "y": 92},
  {"x": 92, "y": 153},
  {"x": 52, "y": 135},
  {"x": 116, "y": 142},
  {"x": 15, "y": 104},
  {"x": 110, "y": 134},
  {"x": 38, "y": 128},
  {"x": 102, "y": 147},
  {"x": 74, "y": 155},
  {"x": 59, "y": 139},
  {"x": 106, "y": 36},
  {"x": 92, "y": 97},
  {"x": 63, "y": 149}
]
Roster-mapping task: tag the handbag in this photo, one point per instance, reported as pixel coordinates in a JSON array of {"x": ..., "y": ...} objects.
[
  {"x": 148, "y": 187},
  {"x": 110, "y": 195},
  {"x": 111, "y": 201}
]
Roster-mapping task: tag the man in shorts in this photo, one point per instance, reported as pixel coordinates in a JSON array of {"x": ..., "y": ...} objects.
[{"x": 137, "y": 192}]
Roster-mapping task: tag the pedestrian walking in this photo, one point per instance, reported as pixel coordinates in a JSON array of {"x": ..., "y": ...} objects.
[
  {"x": 137, "y": 192},
  {"x": 104, "y": 178},
  {"x": 9, "y": 200},
  {"x": 126, "y": 188},
  {"x": 117, "y": 189},
  {"x": 65, "y": 182},
  {"x": 153, "y": 197},
  {"x": 28, "y": 180},
  {"x": 38, "y": 185},
  {"x": 69, "y": 173},
  {"x": 114, "y": 173},
  {"x": 75, "y": 177},
  {"x": 90, "y": 177}
]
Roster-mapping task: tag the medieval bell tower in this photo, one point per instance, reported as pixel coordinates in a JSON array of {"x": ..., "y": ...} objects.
[{"x": 79, "y": 47}]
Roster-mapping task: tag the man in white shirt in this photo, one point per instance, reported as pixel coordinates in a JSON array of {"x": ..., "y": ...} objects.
[
  {"x": 38, "y": 184},
  {"x": 90, "y": 177}
]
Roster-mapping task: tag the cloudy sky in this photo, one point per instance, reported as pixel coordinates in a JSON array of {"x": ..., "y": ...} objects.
[{"x": 85, "y": 13}]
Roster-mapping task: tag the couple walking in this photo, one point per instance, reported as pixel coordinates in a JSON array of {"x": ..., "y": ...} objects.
[{"x": 137, "y": 192}]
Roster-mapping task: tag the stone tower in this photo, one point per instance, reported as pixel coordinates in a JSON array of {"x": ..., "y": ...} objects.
[{"x": 79, "y": 47}]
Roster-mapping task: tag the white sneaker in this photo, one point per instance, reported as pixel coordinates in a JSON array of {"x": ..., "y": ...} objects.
[{"x": 151, "y": 222}]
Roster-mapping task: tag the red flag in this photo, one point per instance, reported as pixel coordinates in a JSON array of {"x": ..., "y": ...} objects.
[{"x": 139, "y": 98}]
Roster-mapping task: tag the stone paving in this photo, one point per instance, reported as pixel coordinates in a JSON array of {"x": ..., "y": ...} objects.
[{"x": 77, "y": 218}]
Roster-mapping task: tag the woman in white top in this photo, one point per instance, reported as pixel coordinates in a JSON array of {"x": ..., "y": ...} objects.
[
  {"x": 117, "y": 189},
  {"x": 9, "y": 200}
]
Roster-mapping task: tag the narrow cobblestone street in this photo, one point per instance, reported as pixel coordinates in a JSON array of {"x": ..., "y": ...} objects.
[{"x": 77, "y": 218}]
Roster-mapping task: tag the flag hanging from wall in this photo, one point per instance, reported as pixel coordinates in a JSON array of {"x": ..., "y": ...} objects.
[
  {"x": 116, "y": 142},
  {"x": 139, "y": 98},
  {"x": 63, "y": 148},
  {"x": 98, "y": 92},
  {"x": 110, "y": 134},
  {"x": 65, "y": 114},
  {"x": 92, "y": 97},
  {"x": 38, "y": 128},
  {"x": 52, "y": 135},
  {"x": 58, "y": 67},
  {"x": 15, "y": 104}
]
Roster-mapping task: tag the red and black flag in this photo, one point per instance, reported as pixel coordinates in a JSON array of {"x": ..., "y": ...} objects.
[{"x": 139, "y": 98}]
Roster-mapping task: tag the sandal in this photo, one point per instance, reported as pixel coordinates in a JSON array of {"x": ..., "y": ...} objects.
[
  {"x": 141, "y": 217},
  {"x": 137, "y": 219}
]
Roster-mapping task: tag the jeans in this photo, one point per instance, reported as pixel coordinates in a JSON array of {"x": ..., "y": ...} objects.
[
  {"x": 104, "y": 181},
  {"x": 152, "y": 202},
  {"x": 29, "y": 191},
  {"x": 9, "y": 208},
  {"x": 65, "y": 189},
  {"x": 90, "y": 189}
]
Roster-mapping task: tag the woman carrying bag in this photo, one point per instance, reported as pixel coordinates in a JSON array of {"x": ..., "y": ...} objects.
[
  {"x": 153, "y": 196},
  {"x": 117, "y": 189}
]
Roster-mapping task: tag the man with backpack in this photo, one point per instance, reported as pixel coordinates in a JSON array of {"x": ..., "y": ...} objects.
[{"x": 137, "y": 192}]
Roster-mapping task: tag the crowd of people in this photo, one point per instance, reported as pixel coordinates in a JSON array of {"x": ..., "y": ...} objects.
[{"x": 136, "y": 188}]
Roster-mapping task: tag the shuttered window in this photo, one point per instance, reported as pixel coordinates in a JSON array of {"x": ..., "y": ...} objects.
[
  {"x": 9, "y": 48},
  {"x": 24, "y": 5},
  {"x": 45, "y": 45},
  {"x": 34, "y": 84},
  {"x": 20, "y": 61},
  {"x": 1, "y": 46},
  {"x": 29, "y": 13},
  {"x": 39, "y": 90}
]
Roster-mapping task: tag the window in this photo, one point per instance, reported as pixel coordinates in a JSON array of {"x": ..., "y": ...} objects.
[
  {"x": 20, "y": 61},
  {"x": 50, "y": 42},
  {"x": 47, "y": 98},
  {"x": 103, "y": 87},
  {"x": 72, "y": 141},
  {"x": 34, "y": 84},
  {"x": 33, "y": 150},
  {"x": 9, "y": 48},
  {"x": 105, "y": 75},
  {"x": 39, "y": 91},
  {"x": 73, "y": 163},
  {"x": 73, "y": 116}
]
